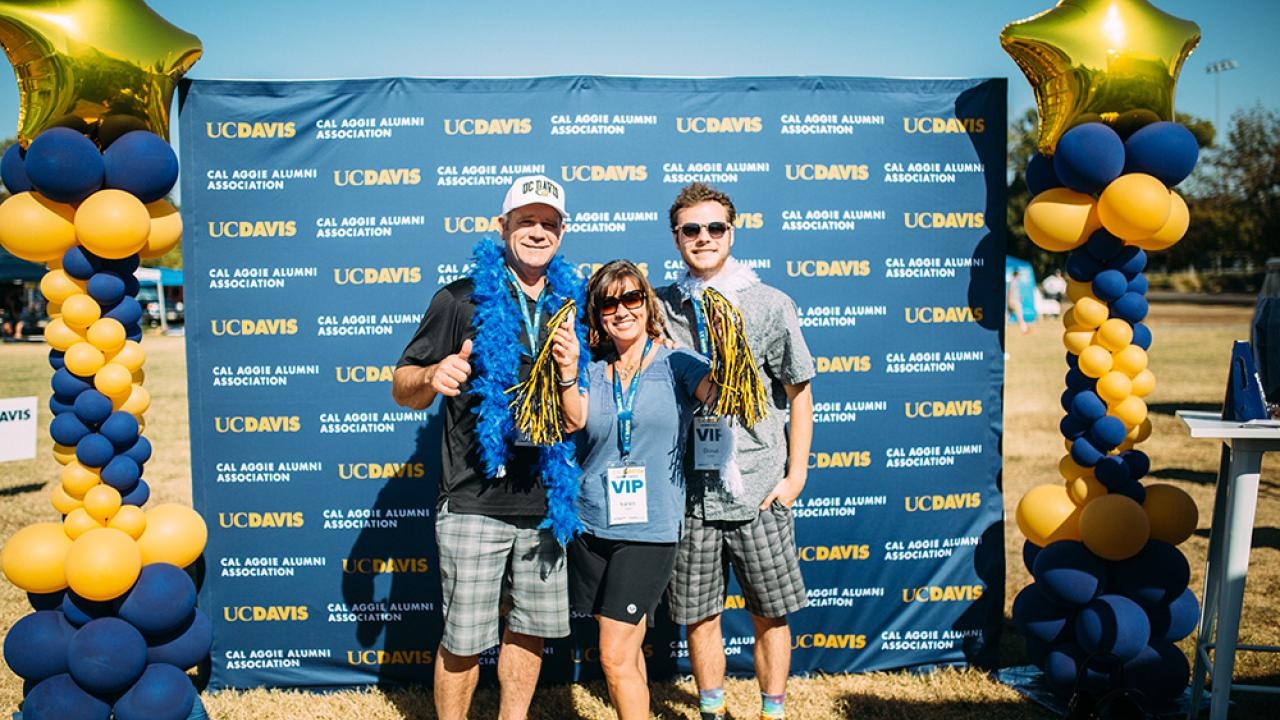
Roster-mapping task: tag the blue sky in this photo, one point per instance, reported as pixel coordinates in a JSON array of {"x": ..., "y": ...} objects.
[{"x": 305, "y": 39}]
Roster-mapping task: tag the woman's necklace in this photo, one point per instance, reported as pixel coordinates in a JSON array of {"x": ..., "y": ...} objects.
[{"x": 624, "y": 372}]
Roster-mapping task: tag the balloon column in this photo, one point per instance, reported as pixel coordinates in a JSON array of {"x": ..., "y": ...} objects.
[
  {"x": 115, "y": 623},
  {"x": 1109, "y": 597}
]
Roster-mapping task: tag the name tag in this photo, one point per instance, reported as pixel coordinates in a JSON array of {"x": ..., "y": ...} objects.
[
  {"x": 710, "y": 442},
  {"x": 628, "y": 495}
]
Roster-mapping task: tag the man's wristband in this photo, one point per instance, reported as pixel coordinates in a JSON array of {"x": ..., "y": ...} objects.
[{"x": 567, "y": 383}]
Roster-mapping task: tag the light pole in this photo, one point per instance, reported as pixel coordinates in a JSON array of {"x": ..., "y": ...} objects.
[{"x": 1216, "y": 69}]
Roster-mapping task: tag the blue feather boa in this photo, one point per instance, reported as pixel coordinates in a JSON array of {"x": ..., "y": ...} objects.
[{"x": 496, "y": 355}]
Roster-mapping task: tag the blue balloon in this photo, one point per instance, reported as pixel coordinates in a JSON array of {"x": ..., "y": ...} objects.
[
  {"x": 1040, "y": 174},
  {"x": 1088, "y": 406},
  {"x": 94, "y": 450},
  {"x": 64, "y": 165},
  {"x": 1130, "y": 261},
  {"x": 141, "y": 163},
  {"x": 1164, "y": 149},
  {"x": 59, "y": 405},
  {"x": 138, "y": 496},
  {"x": 1130, "y": 307},
  {"x": 162, "y": 693},
  {"x": 121, "y": 428},
  {"x": 81, "y": 264},
  {"x": 1106, "y": 433},
  {"x": 1068, "y": 574},
  {"x": 92, "y": 407},
  {"x": 46, "y": 601},
  {"x": 1133, "y": 490},
  {"x": 1062, "y": 671},
  {"x": 1089, "y": 157},
  {"x": 36, "y": 646},
  {"x": 1081, "y": 266},
  {"x": 1077, "y": 381},
  {"x": 1158, "y": 574},
  {"x": 1084, "y": 453},
  {"x": 1160, "y": 671},
  {"x": 1142, "y": 336},
  {"x": 1109, "y": 284},
  {"x": 13, "y": 172},
  {"x": 1112, "y": 472},
  {"x": 80, "y": 611},
  {"x": 161, "y": 601},
  {"x": 1138, "y": 462},
  {"x": 57, "y": 359},
  {"x": 1103, "y": 246},
  {"x": 1038, "y": 618},
  {"x": 1138, "y": 284},
  {"x": 1072, "y": 426},
  {"x": 1175, "y": 620},
  {"x": 107, "y": 288},
  {"x": 140, "y": 451},
  {"x": 127, "y": 311},
  {"x": 67, "y": 429},
  {"x": 184, "y": 648},
  {"x": 1113, "y": 624},
  {"x": 122, "y": 473},
  {"x": 107, "y": 655},
  {"x": 60, "y": 698},
  {"x": 67, "y": 385}
]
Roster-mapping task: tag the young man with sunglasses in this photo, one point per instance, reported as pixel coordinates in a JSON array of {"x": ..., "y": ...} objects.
[
  {"x": 487, "y": 522},
  {"x": 753, "y": 529}
]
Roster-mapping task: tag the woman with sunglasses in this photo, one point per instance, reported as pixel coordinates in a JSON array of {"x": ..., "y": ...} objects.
[{"x": 640, "y": 405}]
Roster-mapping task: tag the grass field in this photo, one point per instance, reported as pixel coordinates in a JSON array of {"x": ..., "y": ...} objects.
[{"x": 1189, "y": 357}]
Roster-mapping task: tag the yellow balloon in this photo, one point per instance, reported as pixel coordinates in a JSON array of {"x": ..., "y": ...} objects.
[
  {"x": 107, "y": 335},
  {"x": 138, "y": 402},
  {"x": 1172, "y": 512},
  {"x": 1059, "y": 219},
  {"x": 78, "y": 522},
  {"x": 102, "y": 502},
  {"x": 62, "y": 502},
  {"x": 54, "y": 309},
  {"x": 103, "y": 564},
  {"x": 1131, "y": 360},
  {"x": 1069, "y": 469},
  {"x": 1144, "y": 383},
  {"x": 1134, "y": 206},
  {"x": 83, "y": 359},
  {"x": 35, "y": 558},
  {"x": 63, "y": 453},
  {"x": 1114, "y": 527},
  {"x": 1095, "y": 361},
  {"x": 1090, "y": 311},
  {"x": 166, "y": 229},
  {"x": 1077, "y": 290},
  {"x": 130, "y": 519},
  {"x": 1140, "y": 433},
  {"x": 99, "y": 61},
  {"x": 80, "y": 311},
  {"x": 1099, "y": 58},
  {"x": 77, "y": 479},
  {"x": 1077, "y": 338},
  {"x": 1085, "y": 489},
  {"x": 138, "y": 376},
  {"x": 1131, "y": 411},
  {"x": 1114, "y": 387},
  {"x": 1126, "y": 445},
  {"x": 132, "y": 356},
  {"x": 60, "y": 335},
  {"x": 34, "y": 227},
  {"x": 112, "y": 224},
  {"x": 114, "y": 381},
  {"x": 54, "y": 263},
  {"x": 1174, "y": 228},
  {"x": 57, "y": 286},
  {"x": 175, "y": 534},
  {"x": 1046, "y": 514},
  {"x": 1115, "y": 334}
]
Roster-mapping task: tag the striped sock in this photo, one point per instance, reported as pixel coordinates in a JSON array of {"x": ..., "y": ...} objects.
[
  {"x": 771, "y": 706},
  {"x": 711, "y": 702}
]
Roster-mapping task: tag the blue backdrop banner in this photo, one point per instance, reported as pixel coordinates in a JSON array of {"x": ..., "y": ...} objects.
[{"x": 321, "y": 217}]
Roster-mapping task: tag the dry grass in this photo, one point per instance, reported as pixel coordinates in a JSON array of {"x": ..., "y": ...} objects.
[{"x": 1189, "y": 358}]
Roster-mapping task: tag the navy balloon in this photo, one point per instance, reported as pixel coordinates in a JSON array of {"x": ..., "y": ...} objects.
[
  {"x": 1081, "y": 266},
  {"x": 161, "y": 601},
  {"x": 141, "y": 163},
  {"x": 122, "y": 473},
  {"x": 162, "y": 693},
  {"x": 46, "y": 601},
  {"x": 1106, "y": 433},
  {"x": 1068, "y": 574},
  {"x": 1084, "y": 453},
  {"x": 64, "y": 165},
  {"x": 67, "y": 429},
  {"x": 1089, "y": 157},
  {"x": 121, "y": 428},
  {"x": 12, "y": 171},
  {"x": 1133, "y": 490},
  {"x": 1073, "y": 362},
  {"x": 107, "y": 655},
  {"x": 1160, "y": 671},
  {"x": 1138, "y": 462},
  {"x": 60, "y": 698},
  {"x": 68, "y": 385},
  {"x": 1068, "y": 396},
  {"x": 186, "y": 647},
  {"x": 1089, "y": 406},
  {"x": 140, "y": 452},
  {"x": 1029, "y": 552},
  {"x": 1040, "y": 174},
  {"x": 79, "y": 263},
  {"x": 138, "y": 495},
  {"x": 1113, "y": 624},
  {"x": 80, "y": 611},
  {"x": 1175, "y": 620},
  {"x": 1072, "y": 427},
  {"x": 1159, "y": 573},
  {"x": 131, "y": 284},
  {"x": 59, "y": 404},
  {"x": 1077, "y": 381},
  {"x": 1062, "y": 671},
  {"x": 94, "y": 450},
  {"x": 1130, "y": 261},
  {"x": 1164, "y": 149},
  {"x": 1109, "y": 284},
  {"x": 127, "y": 311},
  {"x": 57, "y": 359},
  {"x": 1112, "y": 472},
  {"x": 1142, "y": 336},
  {"x": 1038, "y": 618},
  {"x": 124, "y": 267},
  {"x": 92, "y": 407},
  {"x": 36, "y": 646},
  {"x": 107, "y": 288},
  {"x": 1130, "y": 307},
  {"x": 1103, "y": 246}
]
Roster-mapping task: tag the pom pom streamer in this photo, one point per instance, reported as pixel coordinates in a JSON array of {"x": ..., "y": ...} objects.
[{"x": 733, "y": 365}]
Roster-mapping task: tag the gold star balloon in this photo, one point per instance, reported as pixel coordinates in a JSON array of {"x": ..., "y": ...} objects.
[
  {"x": 100, "y": 66},
  {"x": 1096, "y": 59}
]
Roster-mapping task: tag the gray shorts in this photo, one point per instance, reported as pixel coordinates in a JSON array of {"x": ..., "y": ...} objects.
[
  {"x": 763, "y": 555},
  {"x": 485, "y": 561}
]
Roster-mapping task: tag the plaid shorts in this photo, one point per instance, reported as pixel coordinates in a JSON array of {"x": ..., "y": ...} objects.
[
  {"x": 488, "y": 562},
  {"x": 763, "y": 554}
]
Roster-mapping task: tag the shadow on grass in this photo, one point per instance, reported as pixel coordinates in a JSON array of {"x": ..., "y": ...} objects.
[
  {"x": 875, "y": 708},
  {"x": 1200, "y": 477},
  {"x": 21, "y": 489}
]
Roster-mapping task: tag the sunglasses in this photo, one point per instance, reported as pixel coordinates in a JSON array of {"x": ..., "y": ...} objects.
[
  {"x": 631, "y": 300},
  {"x": 692, "y": 230}
]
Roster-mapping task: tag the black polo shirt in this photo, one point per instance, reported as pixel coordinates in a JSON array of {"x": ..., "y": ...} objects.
[{"x": 445, "y": 325}]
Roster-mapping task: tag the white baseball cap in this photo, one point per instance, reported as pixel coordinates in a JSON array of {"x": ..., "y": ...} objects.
[{"x": 531, "y": 189}]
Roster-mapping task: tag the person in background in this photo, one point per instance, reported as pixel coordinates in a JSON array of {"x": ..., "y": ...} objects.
[{"x": 1013, "y": 299}]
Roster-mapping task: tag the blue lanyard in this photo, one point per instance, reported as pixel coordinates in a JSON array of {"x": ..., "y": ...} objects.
[
  {"x": 530, "y": 323},
  {"x": 627, "y": 404},
  {"x": 700, "y": 324}
]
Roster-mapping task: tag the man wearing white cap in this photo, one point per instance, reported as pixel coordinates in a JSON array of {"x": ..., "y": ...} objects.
[{"x": 479, "y": 337}]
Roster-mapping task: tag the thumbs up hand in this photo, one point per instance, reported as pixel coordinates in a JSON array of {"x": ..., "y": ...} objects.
[{"x": 452, "y": 371}]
